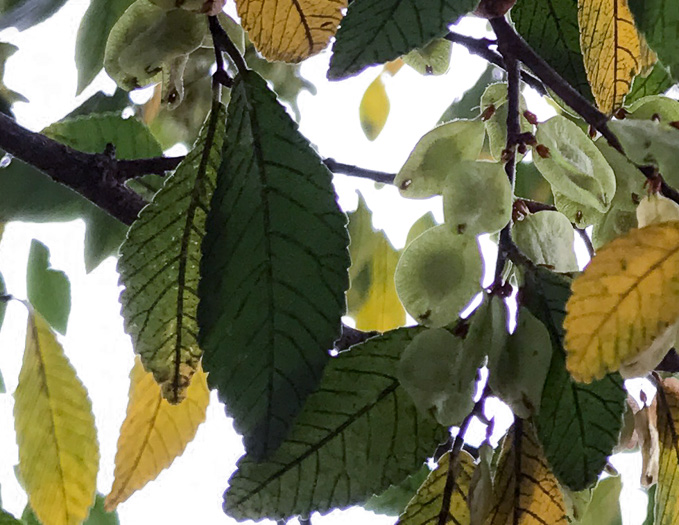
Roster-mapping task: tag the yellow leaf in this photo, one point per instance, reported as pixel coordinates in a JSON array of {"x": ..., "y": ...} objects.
[
  {"x": 374, "y": 109},
  {"x": 58, "y": 449},
  {"x": 624, "y": 300},
  {"x": 382, "y": 311},
  {"x": 612, "y": 50},
  {"x": 290, "y": 30},
  {"x": 425, "y": 506},
  {"x": 667, "y": 492},
  {"x": 154, "y": 432},
  {"x": 537, "y": 499}
]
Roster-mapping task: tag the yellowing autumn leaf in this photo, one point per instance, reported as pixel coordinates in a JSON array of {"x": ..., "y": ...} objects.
[
  {"x": 667, "y": 492},
  {"x": 290, "y": 30},
  {"x": 58, "y": 449},
  {"x": 154, "y": 432},
  {"x": 613, "y": 50},
  {"x": 374, "y": 109},
  {"x": 426, "y": 505},
  {"x": 624, "y": 302},
  {"x": 537, "y": 494},
  {"x": 382, "y": 310}
]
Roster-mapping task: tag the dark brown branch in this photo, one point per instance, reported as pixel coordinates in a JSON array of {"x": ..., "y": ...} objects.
[
  {"x": 96, "y": 176},
  {"x": 509, "y": 154},
  {"x": 548, "y": 75},
  {"x": 585, "y": 238},
  {"x": 223, "y": 42},
  {"x": 355, "y": 171},
  {"x": 481, "y": 47}
]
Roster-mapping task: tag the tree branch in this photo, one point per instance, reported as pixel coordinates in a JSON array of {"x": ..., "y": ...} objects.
[
  {"x": 222, "y": 42},
  {"x": 355, "y": 171},
  {"x": 509, "y": 154},
  {"x": 480, "y": 47},
  {"x": 99, "y": 177}
]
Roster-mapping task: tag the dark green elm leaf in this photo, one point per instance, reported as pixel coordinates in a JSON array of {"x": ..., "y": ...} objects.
[
  {"x": 658, "y": 20},
  {"x": 377, "y": 31},
  {"x": 49, "y": 290},
  {"x": 551, "y": 28},
  {"x": 655, "y": 83},
  {"x": 274, "y": 269},
  {"x": 358, "y": 434},
  {"x": 578, "y": 424},
  {"x": 23, "y": 14},
  {"x": 90, "y": 43},
  {"x": 393, "y": 500},
  {"x": 159, "y": 265},
  {"x": 467, "y": 107},
  {"x": 98, "y": 516},
  {"x": 100, "y": 102}
]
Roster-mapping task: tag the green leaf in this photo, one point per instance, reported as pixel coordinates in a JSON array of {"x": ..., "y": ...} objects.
[
  {"x": 658, "y": 20},
  {"x": 357, "y": 434},
  {"x": 272, "y": 290},
  {"x": 100, "y": 102},
  {"x": 393, "y": 500},
  {"x": 467, "y": 107},
  {"x": 98, "y": 516},
  {"x": 91, "y": 133},
  {"x": 7, "y": 96},
  {"x": 90, "y": 44},
  {"x": 49, "y": 290},
  {"x": 604, "y": 509},
  {"x": 432, "y": 59},
  {"x": 551, "y": 28},
  {"x": 650, "y": 508},
  {"x": 159, "y": 265},
  {"x": 656, "y": 82},
  {"x": 578, "y": 423},
  {"x": 7, "y": 519},
  {"x": 23, "y": 14},
  {"x": 377, "y": 31}
]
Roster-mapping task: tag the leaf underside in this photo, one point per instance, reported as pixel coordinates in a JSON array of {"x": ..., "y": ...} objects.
[
  {"x": 159, "y": 265},
  {"x": 578, "y": 424},
  {"x": 377, "y": 31},
  {"x": 274, "y": 269},
  {"x": 358, "y": 434}
]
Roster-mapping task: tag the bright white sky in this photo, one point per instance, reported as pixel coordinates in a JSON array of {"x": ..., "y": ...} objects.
[{"x": 191, "y": 490}]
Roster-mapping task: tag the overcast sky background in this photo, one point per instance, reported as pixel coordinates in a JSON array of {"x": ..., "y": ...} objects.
[{"x": 191, "y": 490}]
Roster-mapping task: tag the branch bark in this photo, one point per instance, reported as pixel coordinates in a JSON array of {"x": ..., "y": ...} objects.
[{"x": 98, "y": 177}]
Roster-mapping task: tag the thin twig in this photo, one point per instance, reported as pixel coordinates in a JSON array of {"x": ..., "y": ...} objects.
[
  {"x": 355, "y": 171},
  {"x": 481, "y": 47},
  {"x": 454, "y": 452},
  {"x": 509, "y": 154},
  {"x": 585, "y": 238},
  {"x": 223, "y": 42}
]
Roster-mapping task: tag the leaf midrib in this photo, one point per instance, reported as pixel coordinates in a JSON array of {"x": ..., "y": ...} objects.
[
  {"x": 266, "y": 219},
  {"x": 184, "y": 245}
]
